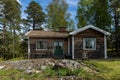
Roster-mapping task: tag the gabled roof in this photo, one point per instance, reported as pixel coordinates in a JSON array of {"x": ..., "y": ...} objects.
[
  {"x": 47, "y": 34},
  {"x": 87, "y": 27}
]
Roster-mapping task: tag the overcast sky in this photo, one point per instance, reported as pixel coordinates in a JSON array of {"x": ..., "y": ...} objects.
[{"x": 72, "y": 6}]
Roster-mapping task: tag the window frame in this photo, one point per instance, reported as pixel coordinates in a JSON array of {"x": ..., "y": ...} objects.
[
  {"x": 41, "y": 41},
  {"x": 84, "y": 44}
]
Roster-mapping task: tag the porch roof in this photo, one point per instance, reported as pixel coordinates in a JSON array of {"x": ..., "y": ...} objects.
[
  {"x": 87, "y": 27},
  {"x": 47, "y": 34}
]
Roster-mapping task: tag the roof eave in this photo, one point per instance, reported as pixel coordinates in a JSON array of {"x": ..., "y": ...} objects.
[
  {"x": 108, "y": 34},
  {"x": 47, "y": 37},
  {"x": 27, "y": 34},
  {"x": 92, "y": 27}
]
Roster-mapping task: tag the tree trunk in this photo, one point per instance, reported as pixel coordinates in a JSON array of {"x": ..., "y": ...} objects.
[
  {"x": 116, "y": 31},
  {"x": 33, "y": 24},
  {"x": 13, "y": 43},
  {"x": 3, "y": 40}
]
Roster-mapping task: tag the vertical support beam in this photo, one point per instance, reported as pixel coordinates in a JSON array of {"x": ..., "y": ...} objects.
[
  {"x": 28, "y": 48},
  {"x": 105, "y": 47},
  {"x": 68, "y": 46},
  {"x": 72, "y": 47}
]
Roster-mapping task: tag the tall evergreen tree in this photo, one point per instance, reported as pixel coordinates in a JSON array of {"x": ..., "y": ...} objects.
[
  {"x": 94, "y": 12},
  {"x": 115, "y": 7},
  {"x": 57, "y": 15},
  {"x": 102, "y": 15},
  {"x": 35, "y": 15},
  {"x": 10, "y": 19},
  {"x": 84, "y": 13}
]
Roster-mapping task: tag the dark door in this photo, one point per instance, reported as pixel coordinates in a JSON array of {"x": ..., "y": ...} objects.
[{"x": 58, "y": 48}]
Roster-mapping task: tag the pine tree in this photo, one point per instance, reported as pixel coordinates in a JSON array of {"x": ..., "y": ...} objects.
[
  {"x": 102, "y": 16},
  {"x": 115, "y": 7},
  {"x": 10, "y": 20},
  {"x": 85, "y": 13},
  {"x": 95, "y": 12},
  {"x": 35, "y": 15}
]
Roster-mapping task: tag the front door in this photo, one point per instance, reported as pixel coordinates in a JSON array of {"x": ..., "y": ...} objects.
[{"x": 58, "y": 48}]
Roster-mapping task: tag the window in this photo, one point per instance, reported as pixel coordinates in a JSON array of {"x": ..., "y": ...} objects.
[
  {"x": 89, "y": 43},
  {"x": 41, "y": 45}
]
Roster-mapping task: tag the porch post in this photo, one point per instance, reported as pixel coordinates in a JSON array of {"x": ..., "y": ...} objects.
[
  {"x": 69, "y": 46},
  {"x": 105, "y": 47},
  {"x": 28, "y": 48},
  {"x": 72, "y": 47}
]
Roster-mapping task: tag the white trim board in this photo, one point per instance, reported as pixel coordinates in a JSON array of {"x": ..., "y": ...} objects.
[
  {"x": 105, "y": 47},
  {"x": 87, "y": 27},
  {"x": 29, "y": 48},
  {"x": 73, "y": 47}
]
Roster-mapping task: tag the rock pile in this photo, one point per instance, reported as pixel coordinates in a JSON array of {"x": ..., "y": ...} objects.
[{"x": 36, "y": 65}]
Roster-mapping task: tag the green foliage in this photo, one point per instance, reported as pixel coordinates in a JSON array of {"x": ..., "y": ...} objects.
[
  {"x": 62, "y": 72},
  {"x": 16, "y": 59},
  {"x": 23, "y": 49},
  {"x": 53, "y": 71},
  {"x": 91, "y": 12},
  {"x": 91, "y": 76},
  {"x": 102, "y": 15},
  {"x": 57, "y": 15},
  {"x": 84, "y": 13},
  {"x": 71, "y": 25},
  {"x": 25, "y": 26},
  {"x": 107, "y": 70},
  {"x": 18, "y": 75},
  {"x": 49, "y": 72},
  {"x": 35, "y": 15},
  {"x": 10, "y": 22}
]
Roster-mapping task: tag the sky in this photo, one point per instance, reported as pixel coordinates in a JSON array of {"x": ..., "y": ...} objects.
[{"x": 71, "y": 9}]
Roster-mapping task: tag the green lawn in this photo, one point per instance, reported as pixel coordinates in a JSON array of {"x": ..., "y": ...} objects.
[
  {"x": 114, "y": 66},
  {"x": 110, "y": 68}
]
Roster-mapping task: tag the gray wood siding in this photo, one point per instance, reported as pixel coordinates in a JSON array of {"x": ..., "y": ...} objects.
[
  {"x": 89, "y": 33},
  {"x": 50, "y": 46}
]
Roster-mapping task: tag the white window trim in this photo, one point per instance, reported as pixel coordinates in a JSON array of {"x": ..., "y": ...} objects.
[
  {"x": 84, "y": 44},
  {"x": 41, "y": 49}
]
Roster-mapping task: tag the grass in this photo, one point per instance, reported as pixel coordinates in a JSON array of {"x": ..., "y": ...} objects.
[
  {"x": 16, "y": 59},
  {"x": 51, "y": 71},
  {"x": 1, "y": 59},
  {"x": 107, "y": 70},
  {"x": 114, "y": 66},
  {"x": 95, "y": 65},
  {"x": 18, "y": 75}
]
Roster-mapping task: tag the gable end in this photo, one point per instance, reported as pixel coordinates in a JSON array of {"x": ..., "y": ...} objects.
[{"x": 89, "y": 27}]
